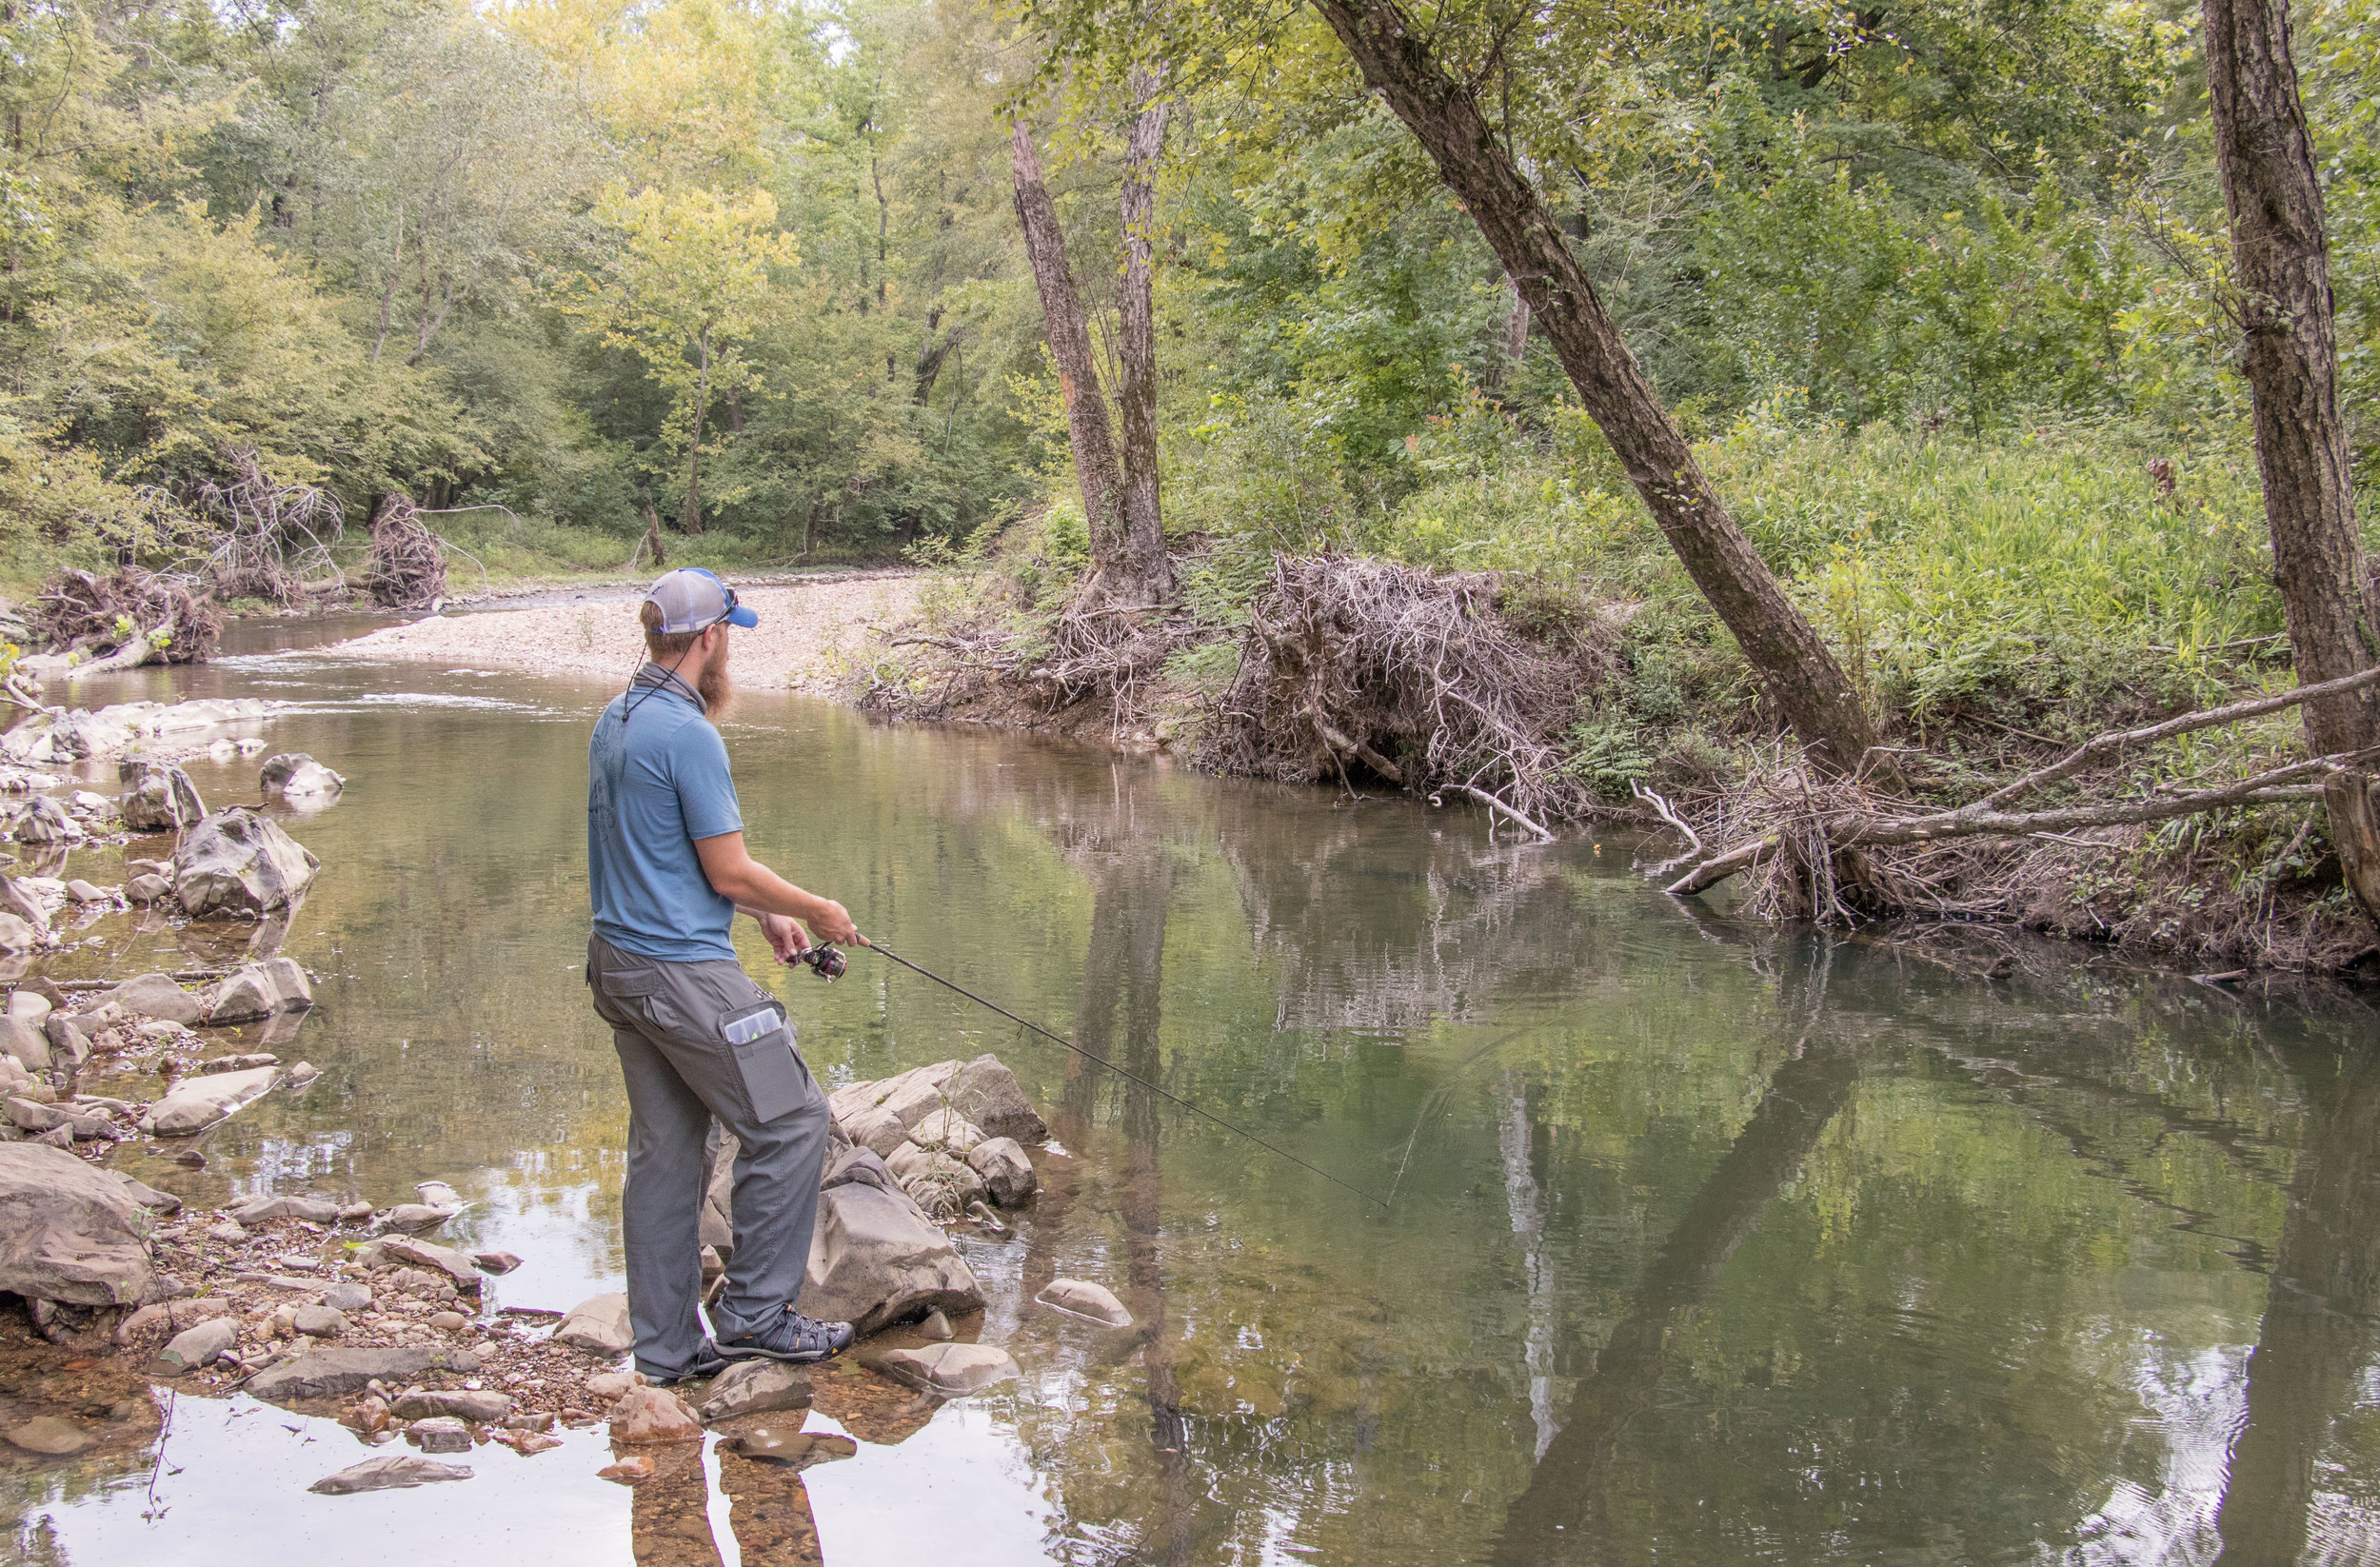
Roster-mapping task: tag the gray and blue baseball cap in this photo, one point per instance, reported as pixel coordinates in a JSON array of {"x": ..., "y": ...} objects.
[{"x": 692, "y": 598}]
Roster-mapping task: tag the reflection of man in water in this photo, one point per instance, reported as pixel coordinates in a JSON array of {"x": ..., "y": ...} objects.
[{"x": 668, "y": 871}]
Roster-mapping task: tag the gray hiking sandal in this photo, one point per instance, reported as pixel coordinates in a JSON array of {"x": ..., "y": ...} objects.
[{"x": 790, "y": 1337}]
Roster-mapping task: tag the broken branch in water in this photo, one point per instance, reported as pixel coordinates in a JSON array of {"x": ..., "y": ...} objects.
[{"x": 1494, "y": 805}]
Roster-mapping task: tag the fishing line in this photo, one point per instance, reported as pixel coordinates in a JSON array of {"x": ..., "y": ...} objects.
[{"x": 1122, "y": 1072}]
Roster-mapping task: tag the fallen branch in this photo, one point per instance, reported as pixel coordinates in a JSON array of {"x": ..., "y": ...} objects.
[
  {"x": 1494, "y": 805},
  {"x": 1850, "y": 831},
  {"x": 1668, "y": 813},
  {"x": 2109, "y": 744}
]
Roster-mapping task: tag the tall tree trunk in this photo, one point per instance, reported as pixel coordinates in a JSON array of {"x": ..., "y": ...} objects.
[
  {"x": 1070, "y": 346},
  {"x": 2292, "y": 363},
  {"x": 690, "y": 516},
  {"x": 1798, "y": 673},
  {"x": 1144, "y": 562}
]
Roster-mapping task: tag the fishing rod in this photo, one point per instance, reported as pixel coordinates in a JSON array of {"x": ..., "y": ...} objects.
[{"x": 828, "y": 962}]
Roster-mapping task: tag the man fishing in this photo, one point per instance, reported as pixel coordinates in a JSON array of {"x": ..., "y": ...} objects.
[{"x": 667, "y": 872}]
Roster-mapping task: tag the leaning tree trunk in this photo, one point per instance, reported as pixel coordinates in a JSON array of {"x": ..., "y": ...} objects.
[
  {"x": 690, "y": 516},
  {"x": 1077, "y": 375},
  {"x": 1798, "y": 673},
  {"x": 2292, "y": 363},
  {"x": 1144, "y": 560}
]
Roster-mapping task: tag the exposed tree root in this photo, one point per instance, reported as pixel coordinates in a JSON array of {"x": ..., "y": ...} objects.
[
  {"x": 265, "y": 539},
  {"x": 406, "y": 568},
  {"x": 1355, "y": 665},
  {"x": 127, "y": 618}
]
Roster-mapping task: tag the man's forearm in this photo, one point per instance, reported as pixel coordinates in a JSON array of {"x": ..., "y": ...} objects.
[{"x": 758, "y": 890}]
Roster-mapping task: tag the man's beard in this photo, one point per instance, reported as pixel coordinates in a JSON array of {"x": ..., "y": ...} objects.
[{"x": 716, "y": 689}]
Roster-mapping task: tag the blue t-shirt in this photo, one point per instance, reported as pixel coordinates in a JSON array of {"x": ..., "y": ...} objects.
[{"x": 654, "y": 784}]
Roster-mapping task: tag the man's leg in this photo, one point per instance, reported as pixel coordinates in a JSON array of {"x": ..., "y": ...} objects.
[
  {"x": 661, "y": 1207},
  {"x": 776, "y": 1209}
]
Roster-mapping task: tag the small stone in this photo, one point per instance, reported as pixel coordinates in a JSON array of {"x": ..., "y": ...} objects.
[
  {"x": 756, "y": 1387},
  {"x": 47, "y": 1434},
  {"x": 951, "y": 1371},
  {"x": 195, "y": 1347},
  {"x": 606, "y": 1386},
  {"x": 83, "y": 892},
  {"x": 936, "y": 1326},
  {"x": 346, "y": 1297},
  {"x": 299, "y": 1261},
  {"x": 348, "y": 1212},
  {"x": 448, "y": 1322},
  {"x": 437, "y": 1194},
  {"x": 1080, "y": 1298},
  {"x": 636, "y": 1466},
  {"x": 389, "y": 1474},
  {"x": 498, "y": 1262},
  {"x": 653, "y": 1415},
  {"x": 793, "y": 1449},
  {"x": 299, "y": 1074},
  {"x": 319, "y": 1322},
  {"x": 150, "y": 888},
  {"x": 598, "y": 1323},
  {"x": 228, "y": 1232}
]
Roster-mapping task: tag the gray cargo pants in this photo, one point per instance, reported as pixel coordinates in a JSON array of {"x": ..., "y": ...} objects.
[{"x": 670, "y": 1023}]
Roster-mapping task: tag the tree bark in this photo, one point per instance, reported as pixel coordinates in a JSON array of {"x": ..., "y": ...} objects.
[
  {"x": 2290, "y": 359},
  {"x": 690, "y": 517},
  {"x": 652, "y": 534},
  {"x": 1515, "y": 337},
  {"x": 1795, "y": 669},
  {"x": 1148, "y": 575},
  {"x": 1069, "y": 337}
]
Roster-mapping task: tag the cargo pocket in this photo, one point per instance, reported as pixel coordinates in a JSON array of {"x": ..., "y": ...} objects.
[{"x": 774, "y": 1083}]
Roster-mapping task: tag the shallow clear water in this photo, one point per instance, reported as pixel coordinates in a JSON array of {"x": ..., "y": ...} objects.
[{"x": 1706, "y": 1243}]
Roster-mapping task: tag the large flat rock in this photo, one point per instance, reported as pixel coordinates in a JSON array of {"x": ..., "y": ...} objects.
[
  {"x": 200, "y": 1100},
  {"x": 333, "y": 1373},
  {"x": 70, "y": 1232}
]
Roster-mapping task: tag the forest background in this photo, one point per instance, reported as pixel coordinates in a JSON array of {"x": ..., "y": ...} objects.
[{"x": 1940, "y": 291}]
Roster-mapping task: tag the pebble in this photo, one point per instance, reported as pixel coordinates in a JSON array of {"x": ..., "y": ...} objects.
[
  {"x": 440, "y": 1434},
  {"x": 936, "y": 1326},
  {"x": 229, "y": 1233},
  {"x": 448, "y": 1322},
  {"x": 319, "y": 1322}
]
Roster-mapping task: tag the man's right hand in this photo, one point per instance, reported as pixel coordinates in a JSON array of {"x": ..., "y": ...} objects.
[{"x": 831, "y": 922}]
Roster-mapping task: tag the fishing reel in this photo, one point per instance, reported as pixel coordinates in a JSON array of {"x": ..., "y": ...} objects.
[{"x": 825, "y": 960}]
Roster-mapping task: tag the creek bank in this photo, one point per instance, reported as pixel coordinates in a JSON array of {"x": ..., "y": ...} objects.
[{"x": 329, "y": 1303}]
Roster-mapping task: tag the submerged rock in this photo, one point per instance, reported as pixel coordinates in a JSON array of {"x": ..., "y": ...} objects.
[
  {"x": 156, "y": 796},
  {"x": 72, "y": 1232},
  {"x": 49, "y": 1436},
  {"x": 793, "y": 1449},
  {"x": 197, "y": 1102},
  {"x": 874, "y": 1260},
  {"x": 389, "y": 1474},
  {"x": 237, "y": 863},
  {"x": 598, "y": 1323},
  {"x": 1080, "y": 1298},
  {"x": 951, "y": 1371},
  {"x": 312, "y": 780}
]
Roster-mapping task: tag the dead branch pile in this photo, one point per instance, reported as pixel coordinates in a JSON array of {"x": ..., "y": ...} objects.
[
  {"x": 268, "y": 540},
  {"x": 82, "y": 612},
  {"x": 408, "y": 567},
  {"x": 1354, "y": 667}
]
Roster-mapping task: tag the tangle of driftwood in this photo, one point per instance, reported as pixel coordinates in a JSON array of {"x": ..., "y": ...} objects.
[{"x": 406, "y": 568}]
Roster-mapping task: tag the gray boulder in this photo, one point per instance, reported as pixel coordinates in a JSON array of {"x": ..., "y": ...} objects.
[
  {"x": 314, "y": 1209},
  {"x": 312, "y": 781},
  {"x": 196, "y": 1347},
  {"x": 157, "y": 996},
  {"x": 859, "y": 1164},
  {"x": 237, "y": 863},
  {"x": 986, "y": 1093},
  {"x": 599, "y": 1324},
  {"x": 1080, "y": 1298},
  {"x": 156, "y": 796},
  {"x": 1006, "y": 1173},
  {"x": 277, "y": 769},
  {"x": 429, "y": 1255},
  {"x": 260, "y": 990},
  {"x": 16, "y": 935},
  {"x": 66, "y": 1042},
  {"x": 755, "y": 1387},
  {"x": 195, "y": 1103},
  {"x": 941, "y": 1185},
  {"x": 47, "y": 822},
  {"x": 335, "y": 1373},
  {"x": 27, "y": 1044},
  {"x": 147, "y": 888},
  {"x": 69, "y": 1231},
  {"x": 478, "y": 1408},
  {"x": 874, "y": 1260}
]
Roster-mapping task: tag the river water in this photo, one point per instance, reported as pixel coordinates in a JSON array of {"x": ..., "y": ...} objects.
[{"x": 1702, "y": 1242}]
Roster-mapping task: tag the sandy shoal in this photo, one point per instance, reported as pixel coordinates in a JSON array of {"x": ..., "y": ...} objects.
[{"x": 804, "y": 630}]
